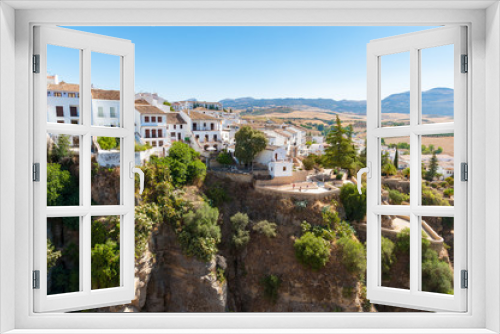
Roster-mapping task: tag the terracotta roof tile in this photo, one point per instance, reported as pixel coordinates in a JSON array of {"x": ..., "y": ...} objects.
[
  {"x": 175, "y": 118},
  {"x": 199, "y": 116}
]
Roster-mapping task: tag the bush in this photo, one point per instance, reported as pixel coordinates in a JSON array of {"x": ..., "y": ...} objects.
[
  {"x": 433, "y": 198},
  {"x": 308, "y": 163},
  {"x": 200, "y": 233},
  {"x": 271, "y": 285},
  {"x": 52, "y": 255},
  {"x": 108, "y": 143},
  {"x": 224, "y": 158},
  {"x": 388, "y": 256},
  {"x": 339, "y": 176},
  {"x": 184, "y": 164},
  {"x": 140, "y": 147},
  {"x": 58, "y": 182},
  {"x": 312, "y": 251},
  {"x": 354, "y": 203},
  {"x": 397, "y": 198},
  {"x": 241, "y": 236},
  {"x": 437, "y": 275},
  {"x": 353, "y": 255},
  {"x": 449, "y": 192},
  {"x": 217, "y": 195},
  {"x": 389, "y": 169},
  {"x": 266, "y": 228},
  {"x": 403, "y": 241},
  {"x": 450, "y": 180}
]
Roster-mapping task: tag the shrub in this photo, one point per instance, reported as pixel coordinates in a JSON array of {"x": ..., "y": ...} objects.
[
  {"x": 221, "y": 278},
  {"x": 312, "y": 251},
  {"x": 339, "y": 176},
  {"x": 200, "y": 233},
  {"x": 344, "y": 229},
  {"x": 266, "y": 228},
  {"x": 52, "y": 255},
  {"x": 58, "y": 182},
  {"x": 354, "y": 203},
  {"x": 389, "y": 169},
  {"x": 431, "y": 197},
  {"x": 450, "y": 180},
  {"x": 353, "y": 255},
  {"x": 388, "y": 256},
  {"x": 403, "y": 241},
  {"x": 217, "y": 195},
  {"x": 397, "y": 198},
  {"x": 224, "y": 158},
  {"x": 183, "y": 164},
  {"x": 436, "y": 274},
  {"x": 434, "y": 185},
  {"x": 308, "y": 163},
  {"x": 271, "y": 285},
  {"x": 241, "y": 236},
  {"x": 141, "y": 147},
  {"x": 108, "y": 143},
  {"x": 406, "y": 172},
  {"x": 449, "y": 192}
]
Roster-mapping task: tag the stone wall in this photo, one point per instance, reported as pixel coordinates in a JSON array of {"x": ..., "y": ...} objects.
[
  {"x": 298, "y": 176},
  {"x": 298, "y": 195},
  {"x": 236, "y": 177}
]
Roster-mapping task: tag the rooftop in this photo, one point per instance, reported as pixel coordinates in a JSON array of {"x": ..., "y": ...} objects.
[
  {"x": 145, "y": 108},
  {"x": 199, "y": 116},
  {"x": 175, "y": 118}
]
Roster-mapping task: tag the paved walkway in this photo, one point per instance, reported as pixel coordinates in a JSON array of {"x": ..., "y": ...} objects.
[{"x": 398, "y": 224}]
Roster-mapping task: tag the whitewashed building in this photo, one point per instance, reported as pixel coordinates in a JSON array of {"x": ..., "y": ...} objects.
[{"x": 151, "y": 125}]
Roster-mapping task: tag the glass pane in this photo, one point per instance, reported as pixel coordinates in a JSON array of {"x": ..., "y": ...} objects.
[
  {"x": 437, "y": 83},
  {"x": 437, "y": 254},
  {"x": 105, "y": 164},
  {"x": 105, "y": 258},
  {"x": 63, "y": 255},
  {"x": 105, "y": 89},
  {"x": 438, "y": 169},
  {"x": 395, "y": 171},
  {"x": 63, "y": 170},
  {"x": 395, "y": 251},
  {"x": 395, "y": 89},
  {"x": 63, "y": 85}
]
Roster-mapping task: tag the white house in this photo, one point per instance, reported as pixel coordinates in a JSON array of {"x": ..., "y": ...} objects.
[
  {"x": 190, "y": 105},
  {"x": 151, "y": 125},
  {"x": 276, "y": 160},
  {"x": 177, "y": 126},
  {"x": 105, "y": 107},
  {"x": 207, "y": 130}
]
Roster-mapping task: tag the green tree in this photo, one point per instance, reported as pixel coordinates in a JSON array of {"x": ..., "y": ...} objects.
[
  {"x": 249, "y": 143},
  {"x": 312, "y": 251},
  {"x": 396, "y": 197},
  {"x": 105, "y": 265},
  {"x": 308, "y": 163},
  {"x": 353, "y": 202},
  {"x": 388, "y": 256},
  {"x": 61, "y": 150},
  {"x": 184, "y": 165},
  {"x": 353, "y": 255},
  {"x": 52, "y": 255},
  {"x": 107, "y": 143},
  {"x": 58, "y": 183},
  {"x": 432, "y": 170},
  {"x": 200, "y": 233},
  {"x": 241, "y": 236},
  {"x": 309, "y": 143},
  {"x": 406, "y": 172},
  {"x": 389, "y": 169},
  {"x": 396, "y": 159},
  {"x": 341, "y": 152}
]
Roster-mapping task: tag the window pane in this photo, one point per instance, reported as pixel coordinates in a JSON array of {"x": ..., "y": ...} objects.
[
  {"x": 106, "y": 157},
  {"x": 63, "y": 255},
  {"x": 438, "y": 168},
  {"x": 105, "y": 256},
  {"x": 437, "y": 82},
  {"x": 395, "y": 251},
  {"x": 395, "y": 89},
  {"x": 63, "y": 84},
  {"x": 63, "y": 170},
  {"x": 106, "y": 80},
  {"x": 395, "y": 171},
  {"x": 437, "y": 254}
]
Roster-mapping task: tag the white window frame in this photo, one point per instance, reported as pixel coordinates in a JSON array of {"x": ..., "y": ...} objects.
[
  {"x": 85, "y": 43},
  {"x": 413, "y": 44},
  {"x": 482, "y": 316}
]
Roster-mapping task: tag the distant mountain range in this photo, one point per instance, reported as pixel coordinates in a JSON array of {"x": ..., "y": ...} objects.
[{"x": 436, "y": 101}]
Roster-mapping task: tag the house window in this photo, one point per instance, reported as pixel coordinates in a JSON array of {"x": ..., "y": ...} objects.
[
  {"x": 215, "y": 137},
  {"x": 74, "y": 121},
  {"x": 153, "y": 143},
  {"x": 148, "y": 133},
  {"x": 112, "y": 112},
  {"x": 71, "y": 95},
  {"x": 180, "y": 126},
  {"x": 100, "y": 112},
  {"x": 153, "y": 119},
  {"x": 174, "y": 126},
  {"x": 57, "y": 94},
  {"x": 154, "y": 133},
  {"x": 59, "y": 111},
  {"x": 212, "y": 126},
  {"x": 160, "y": 143},
  {"x": 284, "y": 168},
  {"x": 172, "y": 134},
  {"x": 60, "y": 122},
  {"x": 160, "y": 133},
  {"x": 73, "y": 111},
  {"x": 146, "y": 119},
  {"x": 159, "y": 119},
  {"x": 195, "y": 127}
]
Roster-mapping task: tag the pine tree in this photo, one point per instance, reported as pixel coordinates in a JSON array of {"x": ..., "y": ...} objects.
[
  {"x": 341, "y": 152},
  {"x": 396, "y": 159},
  {"x": 433, "y": 166}
]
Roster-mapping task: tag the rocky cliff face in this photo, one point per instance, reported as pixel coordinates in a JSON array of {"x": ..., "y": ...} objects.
[{"x": 168, "y": 281}]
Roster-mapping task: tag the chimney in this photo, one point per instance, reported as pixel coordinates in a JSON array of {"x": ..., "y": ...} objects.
[{"x": 154, "y": 103}]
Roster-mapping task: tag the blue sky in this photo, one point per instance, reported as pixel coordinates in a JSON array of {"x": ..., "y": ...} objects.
[{"x": 213, "y": 63}]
